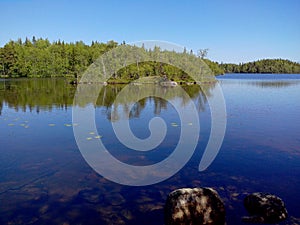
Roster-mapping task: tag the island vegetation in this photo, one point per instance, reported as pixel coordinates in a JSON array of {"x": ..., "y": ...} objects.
[
  {"x": 41, "y": 58},
  {"x": 263, "y": 66}
]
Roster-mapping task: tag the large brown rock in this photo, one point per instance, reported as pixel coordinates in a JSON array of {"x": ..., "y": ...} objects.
[
  {"x": 194, "y": 206},
  {"x": 264, "y": 208}
]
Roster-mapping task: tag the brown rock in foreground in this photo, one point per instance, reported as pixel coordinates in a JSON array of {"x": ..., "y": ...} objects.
[
  {"x": 194, "y": 206},
  {"x": 264, "y": 208}
]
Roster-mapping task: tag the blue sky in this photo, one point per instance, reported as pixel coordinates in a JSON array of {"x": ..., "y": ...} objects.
[{"x": 233, "y": 31}]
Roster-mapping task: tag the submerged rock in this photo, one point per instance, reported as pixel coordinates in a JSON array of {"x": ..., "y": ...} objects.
[
  {"x": 264, "y": 208},
  {"x": 115, "y": 199},
  {"x": 169, "y": 83},
  {"x": 92, "y": 196},
  {"x": 194, "y": 206}
]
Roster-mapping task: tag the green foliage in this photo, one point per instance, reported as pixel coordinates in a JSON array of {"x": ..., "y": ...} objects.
[
  {"x": 263, "y": 66},
  {"x": 214, "y": 66},
  {"x": 40, "y": 58}
]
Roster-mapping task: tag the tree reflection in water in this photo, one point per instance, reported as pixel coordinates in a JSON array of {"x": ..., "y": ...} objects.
[{"x": 46, "y": 94}]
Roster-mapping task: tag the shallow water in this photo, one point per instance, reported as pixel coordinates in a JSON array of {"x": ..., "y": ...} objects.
[{"x": 45, "y": 180}]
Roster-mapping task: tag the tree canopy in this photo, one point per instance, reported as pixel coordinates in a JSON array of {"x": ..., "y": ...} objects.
[
  {"x": 40, "y": 58},
  {"x": 263, "y": 66}
]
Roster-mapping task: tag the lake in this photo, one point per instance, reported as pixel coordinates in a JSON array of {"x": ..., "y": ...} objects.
[{"x": 44, "y": 179}]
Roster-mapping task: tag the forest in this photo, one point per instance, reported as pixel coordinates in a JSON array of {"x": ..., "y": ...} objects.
[
  {"x": 263, "y": 66},
  {"x": 41, "y": 58}
]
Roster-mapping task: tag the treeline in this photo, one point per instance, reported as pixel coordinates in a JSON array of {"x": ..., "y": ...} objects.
[
  {"x": 263, "y": 66},
  {"x": 40, "y": 58}
]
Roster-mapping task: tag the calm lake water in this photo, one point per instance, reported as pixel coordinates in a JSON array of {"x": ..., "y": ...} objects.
[{"x": 45, "y": 180}]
